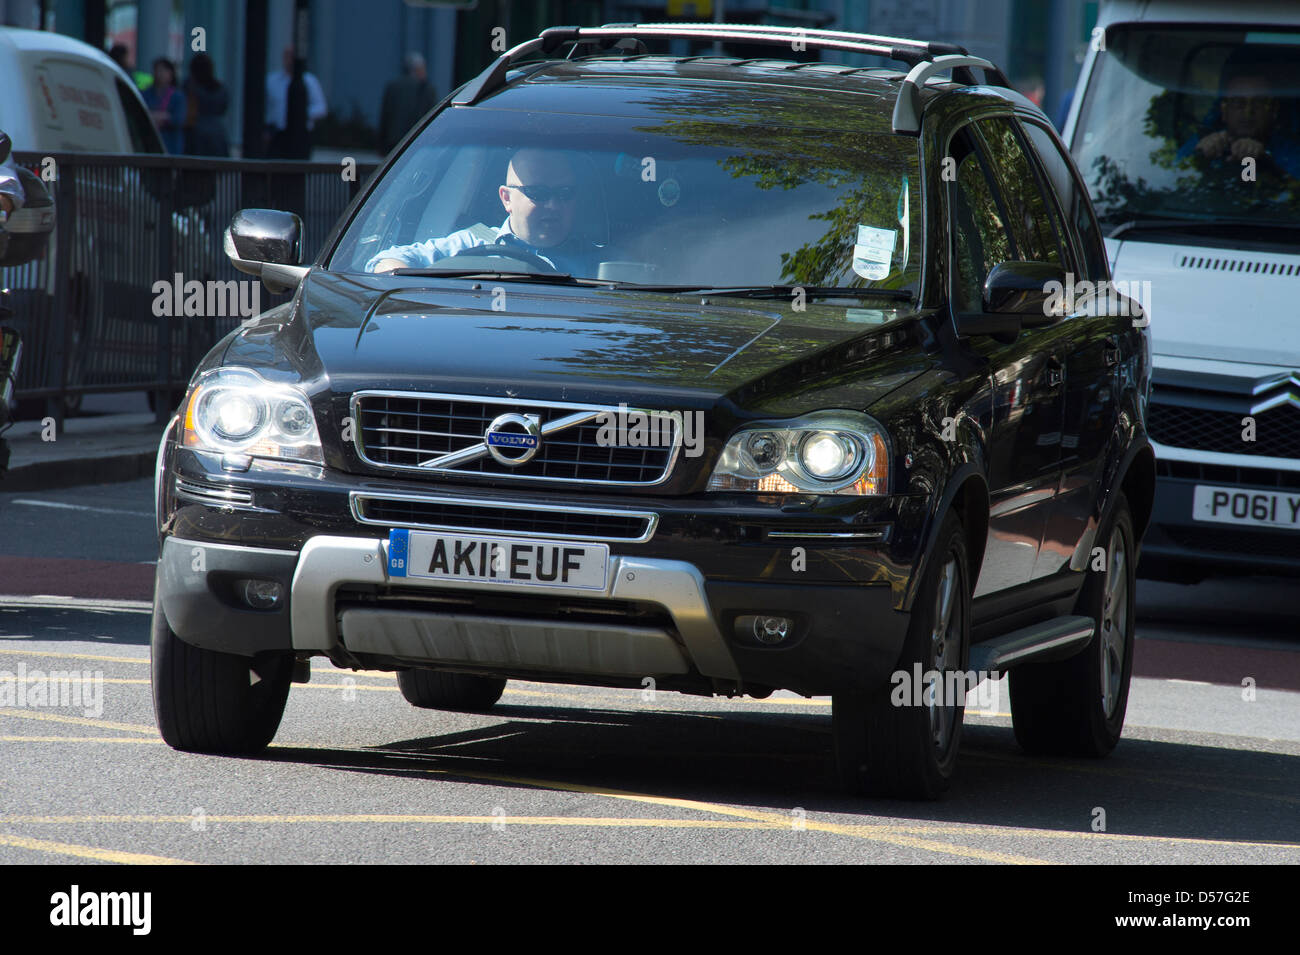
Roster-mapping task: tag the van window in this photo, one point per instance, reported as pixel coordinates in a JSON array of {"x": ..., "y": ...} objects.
[
  {"x": 144, "y": 137},
  {"x": 1195, "y": 125}
]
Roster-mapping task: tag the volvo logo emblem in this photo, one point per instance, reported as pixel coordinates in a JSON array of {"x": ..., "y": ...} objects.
[{"x": 513, "y": 439}]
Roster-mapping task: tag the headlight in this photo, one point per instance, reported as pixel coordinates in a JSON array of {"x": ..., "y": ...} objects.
[
  {"x": 829, "y": 453},
  {"x": 236, "y": 410}
]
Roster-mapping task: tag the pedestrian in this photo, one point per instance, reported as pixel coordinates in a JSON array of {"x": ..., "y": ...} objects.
[
  {"x": 121, "y": 55},
  {"x": 207, "y": 101},
  {"x": 282, "y": 143},
  {"x": 406, "y": 100},
  {"x": 167, "y": 105}
]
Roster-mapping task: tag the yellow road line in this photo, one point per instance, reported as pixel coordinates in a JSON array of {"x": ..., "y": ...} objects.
[
  {"x": 402, "y": 819},
  {"x": 72, "y": 656},
  {"x": 778, "y": 822},
  {"x": 88, "y": 852},
  {"x": 79, "y": 721},
  {"x": 77, "y": 739},
  {"x": 888, "y": 836}
]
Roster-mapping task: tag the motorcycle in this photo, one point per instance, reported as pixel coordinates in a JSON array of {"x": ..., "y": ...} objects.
[{"x": 23, "y": 237}]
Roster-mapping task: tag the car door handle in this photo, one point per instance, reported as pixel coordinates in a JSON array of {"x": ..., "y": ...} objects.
[
  {"x": 1110, "y": 352},
  {"x": 1055, "y": 372}
]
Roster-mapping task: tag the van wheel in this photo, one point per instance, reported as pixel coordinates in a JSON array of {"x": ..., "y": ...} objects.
[
  {"x": 1076, "y": 706},
  {"x": 210, "y": 702},
  {"x": 438, "y": 690},
  {"x": 910, "y": 751}
]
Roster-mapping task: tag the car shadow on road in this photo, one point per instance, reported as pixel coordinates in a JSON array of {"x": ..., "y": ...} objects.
[
  {"x": 775, "y": 762},
  {"x": 19, "y": 623}
]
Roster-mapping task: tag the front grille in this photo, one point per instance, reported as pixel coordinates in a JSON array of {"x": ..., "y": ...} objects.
[
  {"x": 404, "y": 430},
  {"x": 521, "y": 519},
  {"x": 1277, "y": 431},
  {"x": 1228, "y": 474}
]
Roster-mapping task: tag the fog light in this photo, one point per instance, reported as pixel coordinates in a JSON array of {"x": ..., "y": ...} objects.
[
  {"x": 259, "y": 594},
  {"x": 767, "y": 629}
]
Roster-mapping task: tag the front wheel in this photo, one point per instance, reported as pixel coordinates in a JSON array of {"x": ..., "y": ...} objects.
[
  {"x": 1076, "y": 706},
  {"x": 902, "y": 740},
  {"x": 211, "y": 702}
]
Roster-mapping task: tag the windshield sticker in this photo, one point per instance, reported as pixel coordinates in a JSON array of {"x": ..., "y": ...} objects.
[
  {"x": 883, "y": 239},
  {"x": 865, "y": 267}
]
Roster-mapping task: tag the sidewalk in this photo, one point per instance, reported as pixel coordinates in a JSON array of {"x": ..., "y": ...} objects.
[{"x": 98, "y": 449}]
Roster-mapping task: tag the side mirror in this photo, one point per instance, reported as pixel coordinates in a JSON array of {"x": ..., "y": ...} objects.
[
  {"x": 6, "y": 144},
  {"x": 267, "y": 243},
  {"x": 1023, "y": 288}
]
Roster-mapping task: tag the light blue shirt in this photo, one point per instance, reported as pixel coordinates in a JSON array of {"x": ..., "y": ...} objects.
[{"x": 566, "y": 257}]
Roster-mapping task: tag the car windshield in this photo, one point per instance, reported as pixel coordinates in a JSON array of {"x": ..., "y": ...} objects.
[
  {"x": 1194, "y": 125},
  {"x": 691, "y": 197}
]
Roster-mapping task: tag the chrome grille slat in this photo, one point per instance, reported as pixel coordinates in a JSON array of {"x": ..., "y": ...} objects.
[
  {"x": 507, "y": 518},
  {"x": 408, "y": 430}
]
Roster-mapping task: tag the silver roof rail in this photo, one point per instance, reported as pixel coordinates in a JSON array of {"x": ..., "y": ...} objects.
[
  {"x": 924, "y": 59},
  {"x": 907, "y": 109}
]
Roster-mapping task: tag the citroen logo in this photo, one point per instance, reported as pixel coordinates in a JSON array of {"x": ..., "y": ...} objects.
[{"x": 513, "y": 439}]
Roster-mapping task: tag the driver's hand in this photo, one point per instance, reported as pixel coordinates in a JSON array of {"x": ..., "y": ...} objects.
[
  {"x": 6, "y": 204},
  {"x": 387, "y": 265},
  {"x": 1214, "y": 144},
  {"x": 1247, "y": 148}
]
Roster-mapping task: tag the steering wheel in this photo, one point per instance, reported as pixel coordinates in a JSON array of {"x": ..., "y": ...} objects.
[{"x": 504, "y": 252}]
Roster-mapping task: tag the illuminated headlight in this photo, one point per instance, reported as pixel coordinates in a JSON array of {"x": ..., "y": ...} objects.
[
  {"x": 236, "y": 410},
  {"x": 831, "y": 453}
]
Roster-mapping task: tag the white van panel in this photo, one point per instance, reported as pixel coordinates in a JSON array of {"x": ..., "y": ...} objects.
[{"x": 74, "y": 107}]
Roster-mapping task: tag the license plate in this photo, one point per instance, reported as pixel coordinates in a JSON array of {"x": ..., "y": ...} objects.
[
  {"x": 1232, "y": 505},
  {"x": 563, "y": 565}
]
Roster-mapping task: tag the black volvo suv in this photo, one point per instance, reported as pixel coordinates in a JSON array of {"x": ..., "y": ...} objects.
[{"x": 737, "y": 375}]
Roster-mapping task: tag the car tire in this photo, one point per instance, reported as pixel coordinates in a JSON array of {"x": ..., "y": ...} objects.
[
  {"x": 1076, "y": 707},
  {"x": 909, "y": 751},
  {"x": 439, "y": 690},
  {"x": 210, "y": 702}
]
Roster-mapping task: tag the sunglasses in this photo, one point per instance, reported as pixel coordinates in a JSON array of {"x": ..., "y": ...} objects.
[{"x": 540, "y": 194}]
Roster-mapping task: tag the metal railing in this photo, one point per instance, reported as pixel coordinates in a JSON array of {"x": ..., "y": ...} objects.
[{"x": 130, "y": 230}]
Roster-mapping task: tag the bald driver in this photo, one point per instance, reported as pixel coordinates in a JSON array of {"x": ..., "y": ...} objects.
[{"x": 539, "y": 195}]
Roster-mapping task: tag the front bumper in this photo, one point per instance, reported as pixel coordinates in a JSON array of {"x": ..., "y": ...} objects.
[
  {"x": 847, "y": 636},
  {"x": 1177, "y": 547}
]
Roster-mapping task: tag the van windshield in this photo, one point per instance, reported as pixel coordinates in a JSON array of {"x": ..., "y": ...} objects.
[{"x": 1195, "y": 126}]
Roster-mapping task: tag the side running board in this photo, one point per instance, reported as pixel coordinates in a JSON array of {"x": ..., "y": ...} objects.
[{"x": 1054, "y": 639}]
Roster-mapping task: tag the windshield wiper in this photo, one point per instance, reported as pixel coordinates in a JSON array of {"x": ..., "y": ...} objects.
[
  {"x": 552, "y": 278},
  {"x": 779, "y": 291}
]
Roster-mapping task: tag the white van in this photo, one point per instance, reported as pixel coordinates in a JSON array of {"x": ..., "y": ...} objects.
[
  {"x": 1186, "y": 127},
  {"x": 62, "y": 95}
]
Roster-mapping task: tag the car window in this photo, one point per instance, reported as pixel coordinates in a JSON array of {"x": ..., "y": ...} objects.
[
  {"x": 1031, "y": 215},
  {"x": 981, "y": 237},
  {"x": 144, "y": 138},
  {"x": 1074, "y": 200},
  {"x": 676, "y": 197}
]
